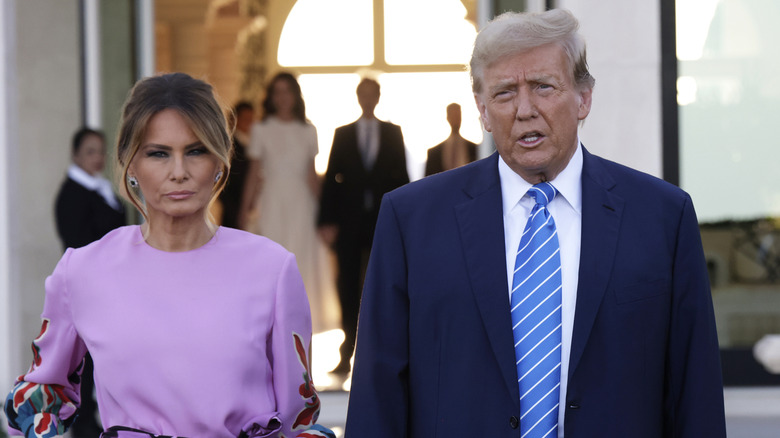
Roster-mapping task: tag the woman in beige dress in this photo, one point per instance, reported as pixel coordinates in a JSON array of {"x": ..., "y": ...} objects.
[{"x": 282, "y": 196}]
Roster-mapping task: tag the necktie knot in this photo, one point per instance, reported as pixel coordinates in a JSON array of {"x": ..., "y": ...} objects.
[{"x": 542, "y": 193}]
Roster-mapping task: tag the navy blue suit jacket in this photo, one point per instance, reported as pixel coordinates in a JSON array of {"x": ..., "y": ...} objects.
[{"x": 435, "y": 351}]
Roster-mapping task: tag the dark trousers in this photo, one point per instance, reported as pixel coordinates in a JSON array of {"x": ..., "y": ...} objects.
[
  {"x": 86, "y": 425},
  {"x": 352, "y": 263}
]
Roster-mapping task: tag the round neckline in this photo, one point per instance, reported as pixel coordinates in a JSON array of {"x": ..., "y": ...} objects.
[{"x": 147, "y": 245}]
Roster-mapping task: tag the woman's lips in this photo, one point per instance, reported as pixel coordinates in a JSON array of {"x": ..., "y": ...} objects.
[{"x": 179, "y": 195}]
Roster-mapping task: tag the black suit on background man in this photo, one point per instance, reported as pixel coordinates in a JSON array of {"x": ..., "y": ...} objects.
[
  {"x": 83, "y": 216},
  {"x": 435, "y": 163},
  {"x": 351, "y": 194},
  {"x": 453, "y": 152}
]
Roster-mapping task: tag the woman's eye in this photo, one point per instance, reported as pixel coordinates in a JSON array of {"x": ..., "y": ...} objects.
[
  {"x": 157, "y": 154},
  {"x": 198, "y": 151}
]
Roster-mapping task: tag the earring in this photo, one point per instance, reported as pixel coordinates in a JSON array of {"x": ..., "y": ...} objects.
[
  {"x": 133, "y": 182},
  {"x": 219, "y": 176}
]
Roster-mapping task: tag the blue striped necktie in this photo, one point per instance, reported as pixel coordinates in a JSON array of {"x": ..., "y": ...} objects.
[{"x": 536, "y": 318}]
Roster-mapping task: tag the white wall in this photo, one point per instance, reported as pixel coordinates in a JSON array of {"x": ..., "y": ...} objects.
[
  {"x": 46, "y": 112},
  {"x": 624, "y": 55},
  {"x": 8, "y": 317}
]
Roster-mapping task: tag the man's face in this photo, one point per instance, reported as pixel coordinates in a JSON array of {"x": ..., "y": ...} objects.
[
  {"x": 368, "y": 96},
  {"x": 91, "y": 155},
  {"x": 530, "y": 104},
  {"x": 244, "y": 120},
  {"x": 454, "y": 117}
]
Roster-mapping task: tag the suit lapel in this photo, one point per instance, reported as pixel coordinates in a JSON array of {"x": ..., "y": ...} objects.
[
  {"x": 481, "y": 224},
  {"x": 601, "y": 215}
]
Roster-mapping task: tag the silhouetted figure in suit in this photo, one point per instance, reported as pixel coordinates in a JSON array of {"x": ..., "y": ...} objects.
[
  {"x": 86, "y": 209},
  {"x": 366, "y": 161},
  {"x": 453, "y": 152}
]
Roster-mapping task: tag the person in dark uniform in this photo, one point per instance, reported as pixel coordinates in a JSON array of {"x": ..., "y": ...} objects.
[
  {"x": 231, "y": 197},
  {"x": 86, "y": 209}
]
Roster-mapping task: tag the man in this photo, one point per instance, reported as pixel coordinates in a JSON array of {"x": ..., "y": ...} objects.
[
  {"x": 231, "y": 196},
  {"x": 453, "y": 152},
  {"x": 629, "y": 347},
  {"x": 366, "y": 161},
  {"x": 86, "y": 208}
]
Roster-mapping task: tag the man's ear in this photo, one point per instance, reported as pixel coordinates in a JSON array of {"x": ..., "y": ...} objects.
[{"x": 586, "y": 95}]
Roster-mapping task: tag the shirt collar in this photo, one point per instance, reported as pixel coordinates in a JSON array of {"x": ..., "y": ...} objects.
[
  {"x": 83, "y": 178},
  {"x": 568, "y": 183}
]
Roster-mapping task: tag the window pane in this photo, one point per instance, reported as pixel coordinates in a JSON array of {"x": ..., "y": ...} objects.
[
  {"x": 416, "y": 101},
  {"x": 729, "y": 96},
  {"x": 320, "y": 33},
  {"x": 427, "y": 32}
]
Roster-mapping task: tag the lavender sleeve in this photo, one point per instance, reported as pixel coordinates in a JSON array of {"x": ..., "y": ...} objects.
[
  {"x": 44, "y": 400},
  {"x": 297, "y": 401}
]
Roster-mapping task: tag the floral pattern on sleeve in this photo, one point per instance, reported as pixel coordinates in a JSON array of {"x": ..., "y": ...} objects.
[
  {"x": 307, "y": 417},
  {"x": 38, "y": 410}
]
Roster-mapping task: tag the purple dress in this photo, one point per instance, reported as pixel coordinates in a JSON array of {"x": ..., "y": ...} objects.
[{"x": 211, "y": 342}]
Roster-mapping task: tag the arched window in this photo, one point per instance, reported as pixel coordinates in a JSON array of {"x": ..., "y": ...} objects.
[{"x": 418, "y": 51}]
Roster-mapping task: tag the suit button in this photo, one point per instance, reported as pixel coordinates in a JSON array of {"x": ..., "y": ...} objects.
[
  {"x": 574, "y": 406},
  {"x": 514, "y": 422}
]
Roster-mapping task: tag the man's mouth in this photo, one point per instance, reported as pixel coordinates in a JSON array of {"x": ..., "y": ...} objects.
[{"x": 531, "y": 138}]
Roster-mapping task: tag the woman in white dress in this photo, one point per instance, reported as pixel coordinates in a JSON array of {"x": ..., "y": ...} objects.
[{"x": 281, "y": 197}]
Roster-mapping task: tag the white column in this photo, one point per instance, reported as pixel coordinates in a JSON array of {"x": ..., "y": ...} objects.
[
  {"x": 484, "y": 14},
  {"x": 536, "y": 5},
  {"x": 145, "y": 37},
  {"x": 92, "y": 63},
  {"x": 624, "y": 55},
  {"x": 9, "y": 317}
]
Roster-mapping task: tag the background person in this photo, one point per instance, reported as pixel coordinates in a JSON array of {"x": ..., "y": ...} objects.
[
  {"x": 86, "y": 207},
  {"x": 453, "y": 152},
  {"x": 542, "y": 291},
  {"x": 231, "y": 197},
  {"x": 366, "y": 161},
  {"x": 85, "y": 210},
  {"x": 284, "y": 187},
  {"x": 195, "y": 330}
]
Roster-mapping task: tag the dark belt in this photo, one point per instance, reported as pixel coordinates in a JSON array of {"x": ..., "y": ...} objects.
[{"x": 113, "y": 432}]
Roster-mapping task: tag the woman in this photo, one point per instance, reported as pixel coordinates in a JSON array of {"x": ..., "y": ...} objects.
[
  {"x": 285, "y": 191},
  {"x": 195, "y": 330},
  {"x": 85, "y": 210},
  {"x": 86, "y": 207}
]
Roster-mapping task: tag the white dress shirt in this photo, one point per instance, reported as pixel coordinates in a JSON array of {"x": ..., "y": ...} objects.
[
  {"x": 368, "y": 140},
  {"x": 566, "y": 210}
]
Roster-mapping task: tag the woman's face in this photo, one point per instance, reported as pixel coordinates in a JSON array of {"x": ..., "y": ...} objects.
[
  {"x": 91, "y": 155},
  {"x": 175, "y": 171},
  {"x": 283, "y": 97}
]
